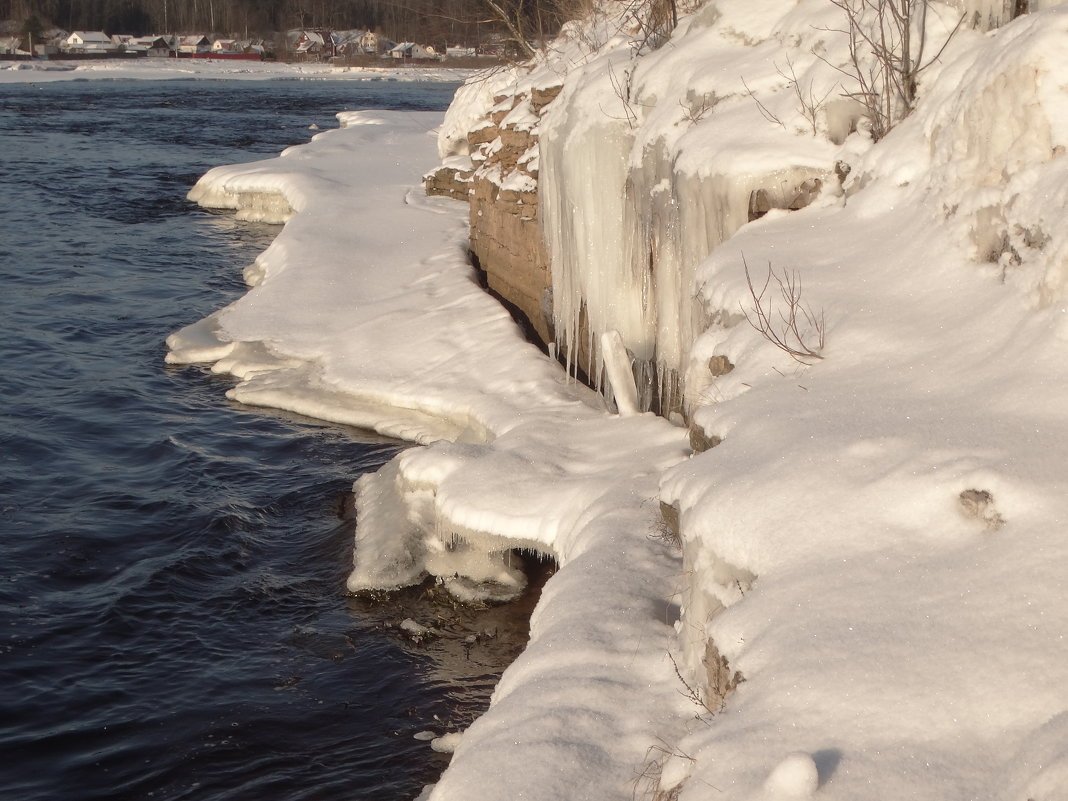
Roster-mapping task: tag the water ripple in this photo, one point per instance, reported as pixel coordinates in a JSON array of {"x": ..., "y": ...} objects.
[{"x": 172, "y": 623}]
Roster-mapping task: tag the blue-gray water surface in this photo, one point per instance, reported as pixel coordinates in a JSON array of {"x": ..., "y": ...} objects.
[{"x": 172, "y": 616}]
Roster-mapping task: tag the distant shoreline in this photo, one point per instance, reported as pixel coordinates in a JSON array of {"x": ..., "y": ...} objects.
[
  {"x": 473, "y": 62},
  {"x": 38, "y": 71}
]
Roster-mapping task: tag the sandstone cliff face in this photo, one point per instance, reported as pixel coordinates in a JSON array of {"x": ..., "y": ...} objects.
[
  {"x": 585, "y": 224},
  {"x": 502, "y": 190},
  {"x": 499, "y": 179}
]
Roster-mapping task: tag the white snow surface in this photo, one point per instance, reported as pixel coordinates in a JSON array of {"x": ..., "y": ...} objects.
[{"x": 876, "y": 544}]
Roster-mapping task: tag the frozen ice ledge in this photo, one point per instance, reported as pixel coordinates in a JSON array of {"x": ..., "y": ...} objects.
[{"x": 365, "y": 311}]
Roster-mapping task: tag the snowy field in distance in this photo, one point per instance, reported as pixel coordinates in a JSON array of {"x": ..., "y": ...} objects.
[{"x": 157, "y": 69}]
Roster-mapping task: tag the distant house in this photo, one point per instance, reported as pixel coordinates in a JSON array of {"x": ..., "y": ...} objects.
[
  {"x": 314, "y": 45},
  {"x": 493, "y": 45},
  {"x": 154, "y": 46},
  {"x": 347, "y": 43},
  {"x": 9, "y": 46},
  {"x": 373, "y": 43},
  {"x": 194, "y": 44},
  {"x": 410, "y": 51},
  {"x": 89, "y": 42},
  {"x": 129, "y": 44},
  {"x": 253, "y": 46},
  {"x": 225, "y": 46}
]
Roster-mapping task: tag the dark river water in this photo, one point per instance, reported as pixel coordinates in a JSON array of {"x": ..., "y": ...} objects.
[{"x": 173, "y": 622}]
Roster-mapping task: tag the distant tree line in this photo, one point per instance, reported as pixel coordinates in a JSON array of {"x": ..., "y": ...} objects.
[{"x": 437, "y": 22}]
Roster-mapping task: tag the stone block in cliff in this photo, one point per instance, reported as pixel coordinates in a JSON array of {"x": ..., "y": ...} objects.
[
  {"x": 791, "y": 198},
  {"x": 448, "y": 181},
  {"x": 543, "y": 96},
  {"x": 519, "y": 197},
  {"x": 503, "y": 106},
  {"x": 482, "y": 134},
  {"x": 508, "y": 246},
  {"x": 515, "y": 143},
  {"x": 505, "y": 235}
]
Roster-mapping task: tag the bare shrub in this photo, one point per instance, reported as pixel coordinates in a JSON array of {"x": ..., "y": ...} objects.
[
  {"x": 886, "y": 40},
  {"x": 666, "y": 528},
  {"x": 696, "y": 107},
  {"x": 656, "y": 19},
  {"x": 647, "y": 782},
  {"x": 808, "y": 104},
  {"x": 782, "y": 318}
]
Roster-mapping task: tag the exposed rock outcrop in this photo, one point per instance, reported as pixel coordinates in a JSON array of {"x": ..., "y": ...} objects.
[
  {"x": 448, "y": 181},
  {"x": 502, "y": 189}
]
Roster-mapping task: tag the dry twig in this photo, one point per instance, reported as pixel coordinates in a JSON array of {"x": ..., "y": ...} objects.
[
  {"x": 787, "y": 323},
  {"x": 692, "y": 692},
  {"x": 808, "y": 104},
  {"x": 765, "y": 112}
]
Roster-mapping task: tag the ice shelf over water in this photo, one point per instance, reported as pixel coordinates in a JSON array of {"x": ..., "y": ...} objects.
[
  {"x": 874, "y": 556},
  {"x": 365, "y": 311}
]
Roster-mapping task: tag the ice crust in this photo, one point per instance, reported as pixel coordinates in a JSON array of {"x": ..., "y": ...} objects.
[{"x": 876, "y": 544}]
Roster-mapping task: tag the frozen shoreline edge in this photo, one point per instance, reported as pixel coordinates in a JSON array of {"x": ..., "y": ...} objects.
[{"x": 544, "y": 468}]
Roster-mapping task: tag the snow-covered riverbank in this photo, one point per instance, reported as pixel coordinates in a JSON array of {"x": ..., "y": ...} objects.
[
  {"x": 876, "y": 545},
  {"x": 365, "y": 311}
]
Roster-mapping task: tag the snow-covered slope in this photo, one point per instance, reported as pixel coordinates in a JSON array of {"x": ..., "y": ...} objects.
[{"x": 875, "y": 546}]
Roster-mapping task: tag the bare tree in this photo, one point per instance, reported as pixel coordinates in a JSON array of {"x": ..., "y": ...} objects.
[
  {"x": 657, "y": 18},
  {"x": 511, "y": 14}
]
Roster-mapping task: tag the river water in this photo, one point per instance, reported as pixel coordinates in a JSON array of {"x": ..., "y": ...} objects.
[{"x": 172, "y": 616}]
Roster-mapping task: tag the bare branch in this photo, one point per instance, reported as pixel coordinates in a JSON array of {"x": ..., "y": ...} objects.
[
  {"x": 787, "y": 323},
  {"x": 765, "y": 112},
  {"x": 696, "y": 108},
  {"x": 513, "y": 20},
  {"x": 886, "y": 40},
  {"x": 808, "y": 105},
  {"x": 622, "y": 91}
]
